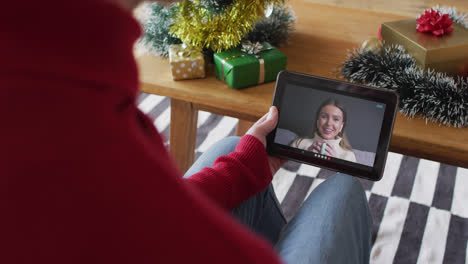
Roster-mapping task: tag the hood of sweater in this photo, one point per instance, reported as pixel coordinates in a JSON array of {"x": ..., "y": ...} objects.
[{"x": 86, "y": 40}]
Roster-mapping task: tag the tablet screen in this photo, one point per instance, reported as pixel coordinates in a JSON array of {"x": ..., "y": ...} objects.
[{"x": 331, "y": 126}]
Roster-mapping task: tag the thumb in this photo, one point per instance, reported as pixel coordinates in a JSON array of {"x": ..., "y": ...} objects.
[
  {"x": 264, "y": 125},
  {"x": 272, "y": 119}
]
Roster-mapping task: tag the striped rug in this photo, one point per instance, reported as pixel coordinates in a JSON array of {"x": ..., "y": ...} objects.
[{"x": 419, "y": 208}]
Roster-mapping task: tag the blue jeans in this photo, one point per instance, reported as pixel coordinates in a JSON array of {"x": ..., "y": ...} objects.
[{"x": 332, "y": 226}]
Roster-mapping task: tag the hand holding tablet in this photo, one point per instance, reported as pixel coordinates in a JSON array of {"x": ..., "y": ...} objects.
[{"x": 332, "y": 124}]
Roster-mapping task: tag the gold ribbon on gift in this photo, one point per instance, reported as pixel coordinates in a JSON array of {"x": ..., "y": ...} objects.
[
  {"x": 185, "y": 50},
  {"x": 250, "y": 49}
]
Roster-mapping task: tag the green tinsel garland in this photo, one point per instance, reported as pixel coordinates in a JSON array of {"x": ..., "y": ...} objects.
[
  {"x": 435, "y": 96},
  {"x": 274, "y": 29},
  {"x": 215, "y": 6},
  {"x": 156, "y": 36},
  {"x": 459, "y": 18}
]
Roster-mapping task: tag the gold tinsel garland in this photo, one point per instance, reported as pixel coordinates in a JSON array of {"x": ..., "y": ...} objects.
[{"x": 199, "y": 27}]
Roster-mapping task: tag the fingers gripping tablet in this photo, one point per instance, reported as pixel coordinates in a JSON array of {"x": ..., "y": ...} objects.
[{"x": 332, "y": 124}]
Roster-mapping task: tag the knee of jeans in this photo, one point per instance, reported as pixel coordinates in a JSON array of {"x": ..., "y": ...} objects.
[
  {"x": 351, "y": 196},
  {"x": 354, "y": 197},
  {"x": 350, "y": 186},
  {"x": 229, "y": 142}
]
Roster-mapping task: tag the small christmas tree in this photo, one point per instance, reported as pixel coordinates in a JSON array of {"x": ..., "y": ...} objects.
[{"x": 217, "y": 25}]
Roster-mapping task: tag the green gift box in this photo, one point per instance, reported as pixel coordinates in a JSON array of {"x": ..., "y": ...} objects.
[{"x": 252, "y": 64}]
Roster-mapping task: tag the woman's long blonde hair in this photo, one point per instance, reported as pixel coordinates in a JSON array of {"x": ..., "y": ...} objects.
[{"x": 344, "y": 143}]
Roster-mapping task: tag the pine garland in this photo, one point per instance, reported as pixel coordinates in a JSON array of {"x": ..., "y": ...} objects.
[
  {"x": 215, "y": 6},
  {"x": 435, "y": 96},
  {"x": 157, "y": 38},
  {"x": 276, "y": 28}
]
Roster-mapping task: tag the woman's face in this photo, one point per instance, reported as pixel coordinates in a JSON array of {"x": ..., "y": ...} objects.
[{"x": 330, "y": 121}]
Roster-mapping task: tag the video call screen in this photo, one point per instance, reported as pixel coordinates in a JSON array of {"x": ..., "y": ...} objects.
[{"x": 330, "y": 126}]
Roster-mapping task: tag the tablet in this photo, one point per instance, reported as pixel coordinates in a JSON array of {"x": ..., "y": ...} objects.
[{"x": 332, "y": 124}]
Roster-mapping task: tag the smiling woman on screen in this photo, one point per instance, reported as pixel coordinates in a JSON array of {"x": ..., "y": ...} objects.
[{"x": 329, "y": 137}]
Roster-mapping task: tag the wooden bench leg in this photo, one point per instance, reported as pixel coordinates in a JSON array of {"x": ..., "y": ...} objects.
[
  {"x": 184, "y": 118},
  {"x": 242, "y": 127}
]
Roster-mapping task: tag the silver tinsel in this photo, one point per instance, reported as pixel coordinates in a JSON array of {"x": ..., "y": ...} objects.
[
  {"x": 275, "y": 28},
  {"x": 459, "y": 18},
  {"x": 435, "y": 96},
  {"x": 156, "y": 38}
]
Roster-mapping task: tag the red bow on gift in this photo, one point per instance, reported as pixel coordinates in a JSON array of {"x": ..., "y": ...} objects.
[{"x": 434, "y": 22}]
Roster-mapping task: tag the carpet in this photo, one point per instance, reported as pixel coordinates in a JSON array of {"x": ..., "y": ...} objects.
[{"x": 419, "y": 208}]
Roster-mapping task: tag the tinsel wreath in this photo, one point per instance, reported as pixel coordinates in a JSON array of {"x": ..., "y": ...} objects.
[
  {"x": 198, "y": 26},
  {"x": 435, "y": 96},
  {"x": 274, "y": 29}
]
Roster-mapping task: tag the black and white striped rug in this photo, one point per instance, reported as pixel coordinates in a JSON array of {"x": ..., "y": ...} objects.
[{"x": 419, "y": 208}]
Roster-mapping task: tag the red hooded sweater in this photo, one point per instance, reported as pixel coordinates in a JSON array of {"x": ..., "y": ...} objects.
[{"x": 84, "y": 175}]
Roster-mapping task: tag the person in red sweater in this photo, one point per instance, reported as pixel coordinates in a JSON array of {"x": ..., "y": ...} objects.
[{"x": 85, "y": 177}]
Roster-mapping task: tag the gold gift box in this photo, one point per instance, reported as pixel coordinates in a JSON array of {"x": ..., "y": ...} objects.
[
  {"x": 186, "y": 62},
  {"x": 447, "y": 53}
]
